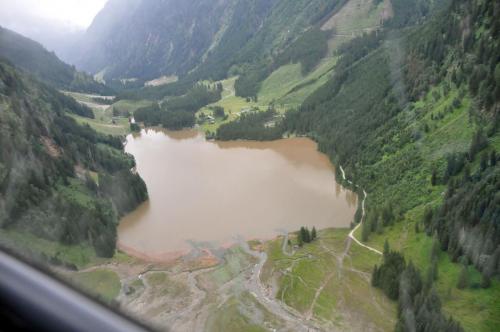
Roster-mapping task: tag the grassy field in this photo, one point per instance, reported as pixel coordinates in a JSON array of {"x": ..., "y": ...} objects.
[
  {"x": 232, "y": 105},
  {"x": 288, "y": 88},
  {"x": 82, "y": 255},
  {"x": 355, "y": 18},
  {"x": 121, "y": 126},
  {"x": 84, "y": 97},
  {"x": 104, "y": 121},
  {"x": 102, "y": 283},
  {"x": 131, "y": 105},
  {"x": 324, "y": 281}
]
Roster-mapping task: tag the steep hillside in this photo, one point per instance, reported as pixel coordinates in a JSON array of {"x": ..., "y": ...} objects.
[
  {"x": 292, "y": 82},
  {"x": 149, "y": 39},
  {"x": 257, "y": 41},
  {"x": 36, "y": 60},
  {"x": 60, "y": 182},
  {"x": 412, "y": 116}
]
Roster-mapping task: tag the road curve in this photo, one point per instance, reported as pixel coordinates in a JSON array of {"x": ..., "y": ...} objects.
[{"x": 363, "y": 215}]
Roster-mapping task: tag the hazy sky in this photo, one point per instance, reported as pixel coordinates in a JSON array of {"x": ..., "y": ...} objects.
[{"x": 76, "y": 12}]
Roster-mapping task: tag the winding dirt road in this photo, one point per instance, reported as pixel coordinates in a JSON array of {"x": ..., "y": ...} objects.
[{"x": 363, "y": 215}]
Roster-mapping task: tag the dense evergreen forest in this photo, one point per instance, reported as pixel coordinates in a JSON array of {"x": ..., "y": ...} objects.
[
  {"x": 307, "y": 50},
  {"x": 178, "y": 112},
  {"x": 59, "y": 180},
  {"x": 376, "y": 118},
  {"x": 258, "y": 126},
  {"x": 467, "y": 224},
  {"x": 419, "y": 304}
]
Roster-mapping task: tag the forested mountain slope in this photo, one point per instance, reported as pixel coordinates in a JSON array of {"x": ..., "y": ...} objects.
[
  {"x": 36, "y": 60},
  {"x": 148, "y": 39},
  {"x": 412, "y": 114},
  {"x": 59, "y": 181}
]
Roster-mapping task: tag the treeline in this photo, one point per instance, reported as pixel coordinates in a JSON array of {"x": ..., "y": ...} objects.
[
  {"x": 173, "y": 120},
  {"x": 127, "y": 190},
  {"x": 149, "y": 115},
  {"x": 137, "y": 91},
  {"x": 306, "y": 236},
  {"x": 70, "y": 105},
  {"x": 42, "y": 188},
  {"x": 308, "y": 50},
  {"x": 179, "y": 112},
  {"x": 409, "y": 12},
  {"x": 377, "y": 220},
  {"x": 350, "y": 53},
  {"x": 419, "y": 306},
  {"x": 360, "y": 93},
  {"x": 255, "y": 44},
  {"x": 249, "y": 82},
  {"x": 468, "y": 222},
  {"x": 257, "y": 126},
  {"x": 103, "y": 101},
  {"x": 200, "y": 95}
]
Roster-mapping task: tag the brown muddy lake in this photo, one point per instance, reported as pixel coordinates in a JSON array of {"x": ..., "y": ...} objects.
[{"x": 206, "y": 194}]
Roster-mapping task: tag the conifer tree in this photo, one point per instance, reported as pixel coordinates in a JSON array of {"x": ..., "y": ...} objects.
[
  {"x": 463, "y": 278},
  {"x": 434, "y": 177},
  {"x": 485, "y": 281},
  {"x": 307, "y": 235},
  {"x": 300, "y": 241},
  {"x": 484, "y": 161},
  {"x": 365, "y": 231},
  {"x": 387, "y": 248}
]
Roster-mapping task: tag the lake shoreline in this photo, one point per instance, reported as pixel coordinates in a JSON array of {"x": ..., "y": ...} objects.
[{"x": 307, "y": 193}]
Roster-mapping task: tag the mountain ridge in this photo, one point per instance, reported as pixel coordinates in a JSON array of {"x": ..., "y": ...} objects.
[
  {"x": 33, "y": 58},
  {"x": 158, "y": 38}
]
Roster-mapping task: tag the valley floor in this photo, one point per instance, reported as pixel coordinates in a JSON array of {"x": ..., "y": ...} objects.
[{"x": 323, "y": 286}]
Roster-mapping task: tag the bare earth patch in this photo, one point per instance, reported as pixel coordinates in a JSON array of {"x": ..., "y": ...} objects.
[{"x": 255, "y": 286}]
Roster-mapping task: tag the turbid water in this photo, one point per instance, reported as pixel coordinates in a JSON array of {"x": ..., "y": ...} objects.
[{"x": 210, "y": 194}]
